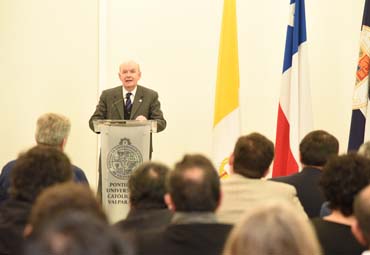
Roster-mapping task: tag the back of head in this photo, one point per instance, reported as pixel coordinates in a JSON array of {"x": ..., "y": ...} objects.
[
  {"x": 60, "y": 198},
  {"x": 317, "y": 147},
  {"x": 364, "y": 150},
  {"x": 147, "y": 186},
  {"x": 52, "y": 129},
  {"x": 343, "y": 177},
  {"x": 38, "y": 168},
  {"x": 361, "y": 209},
  {"x": 272, "y": 229},
  {"x": 77, "y": 233},
  {"x": 253, "y": 155},
  {"x": 194, "y": 185}
]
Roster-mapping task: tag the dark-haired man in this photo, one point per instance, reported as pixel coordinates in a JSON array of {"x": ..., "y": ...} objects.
[
  {"x": 245, "y": 188},
  {"x": 38, "y": 168},
  {"x": 315, "y": 150},
  {"x": 148, "y": 209},
  {"x": 194, "y": 195}
]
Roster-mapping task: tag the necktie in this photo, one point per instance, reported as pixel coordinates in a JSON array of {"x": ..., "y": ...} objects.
[{"x": 128, "y": 104}]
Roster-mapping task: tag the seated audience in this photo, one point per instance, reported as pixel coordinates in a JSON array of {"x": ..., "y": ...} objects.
[
  {"x": 194, "y": 195},
  {"x": 55, "y": 200},
  {"x": 343, "y": 177},
  {"x": 272, "y": 229},
  {"x": 38, "y": 168},
  {"x": 245, "y": 189},
  {"x": 148, "y": 209},
  {"x": 77, "y": 233},
  {"x": 51, "y": 130},
  {"x": 361, "y": 226},
  {"x": 315, "y": 149},
  {"x": 364, "y": 150}
]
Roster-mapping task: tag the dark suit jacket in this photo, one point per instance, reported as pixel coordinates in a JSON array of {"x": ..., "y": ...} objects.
[
  {"x": 185, "y": 239},
  {"x": 111, "y": 106},
  {"x": 309, "y": 194},
  {"x": 336, "y": 238},
  {"x": 139, "y": 220}
]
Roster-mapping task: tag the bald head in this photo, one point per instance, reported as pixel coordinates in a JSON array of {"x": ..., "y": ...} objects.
[{"x": 194, "y": 174}]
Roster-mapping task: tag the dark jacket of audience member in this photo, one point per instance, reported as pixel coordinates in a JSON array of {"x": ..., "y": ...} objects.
[
  {"x": 35, "y": 170},
  {"x": 342, "y": 179},
  {"x": 194, "y": 195},
  {"x": 148, "y": 209},
  {"x": 315, "y": 149}
]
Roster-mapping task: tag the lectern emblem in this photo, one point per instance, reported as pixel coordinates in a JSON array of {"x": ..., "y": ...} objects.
[{"x": 123, "y": 159}]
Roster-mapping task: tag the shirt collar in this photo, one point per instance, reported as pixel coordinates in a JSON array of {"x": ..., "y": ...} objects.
[
  {"x": 193, "y": 217},
  {"x": 124, "y": 92}
]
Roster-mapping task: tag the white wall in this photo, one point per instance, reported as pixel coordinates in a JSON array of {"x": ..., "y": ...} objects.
[
  {"x": 49, "y": 58},
  {"x": 48, "y": 62}
]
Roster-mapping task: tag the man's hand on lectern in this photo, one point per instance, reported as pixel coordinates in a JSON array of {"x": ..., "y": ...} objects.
[{"x": 141, "y": 117}]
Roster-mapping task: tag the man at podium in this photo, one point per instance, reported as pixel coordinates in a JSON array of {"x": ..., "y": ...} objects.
[{"x": 129, "y": 101}]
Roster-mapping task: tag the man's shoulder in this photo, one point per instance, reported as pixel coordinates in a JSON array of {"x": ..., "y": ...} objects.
[
  {"x": 114, "y": 90},
  {"x": 7, "y": 168},
  {"x": 79, "y": 174},
  {"x": 290, "y": 179},
  {"x": 266, "y": 186},
  {"x": 308, "y": 174},
  {"x": 146, "y": 90},
  {"x": 280, "y": 186}
]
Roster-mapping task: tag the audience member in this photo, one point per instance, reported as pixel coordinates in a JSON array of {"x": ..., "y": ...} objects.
[
  {"x": 51, "y": 130},
  {"x": 245, "y": 188},
  {"x": 38, "y": 168},
  {"x": 194, "y": 195},
  {"x": 364, "y": 150},
  {"x": 315, "y": 149},
  {"x": 55, "y": 200},
  {"x": 343, "y": 177},
  {"x": 272, "y": 229},
  {"x": 361, "y": 226},
  {"x": 148, "y": 209},
  {"x": 77, "y": 233}
]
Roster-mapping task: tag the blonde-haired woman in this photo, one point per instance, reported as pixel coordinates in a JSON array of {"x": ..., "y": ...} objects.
[{"x": 272, "y": 229}]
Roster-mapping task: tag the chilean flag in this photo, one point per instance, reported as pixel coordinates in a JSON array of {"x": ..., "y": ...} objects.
[
  {"x": 361, "y": 93},
  {"x": 295, "y": 111}
]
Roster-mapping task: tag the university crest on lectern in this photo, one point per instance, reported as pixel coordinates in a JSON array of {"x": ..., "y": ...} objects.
[{"x": 123, "y": 159}]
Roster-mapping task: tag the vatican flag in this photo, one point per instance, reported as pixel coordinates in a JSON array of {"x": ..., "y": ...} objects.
[{"x": 226, "y": 126}]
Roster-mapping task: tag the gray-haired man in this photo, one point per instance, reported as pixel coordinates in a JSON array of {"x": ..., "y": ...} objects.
[{"x": 51, "y": 130}]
